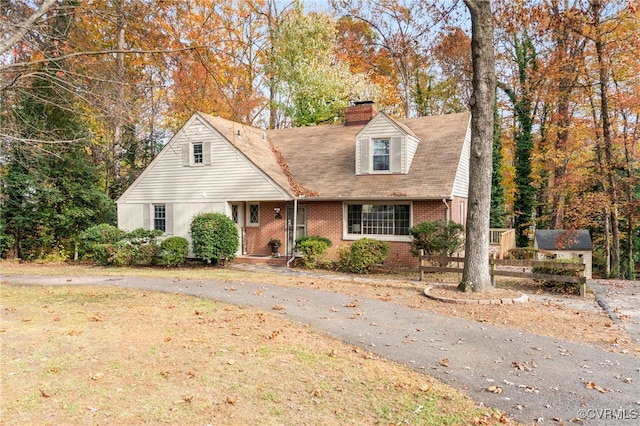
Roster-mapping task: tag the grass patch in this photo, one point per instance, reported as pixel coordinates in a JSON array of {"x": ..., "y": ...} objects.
[{"x": 106, "y": 355}]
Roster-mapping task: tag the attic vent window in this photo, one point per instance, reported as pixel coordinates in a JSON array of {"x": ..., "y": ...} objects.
[{"x": 196, "y": 154}]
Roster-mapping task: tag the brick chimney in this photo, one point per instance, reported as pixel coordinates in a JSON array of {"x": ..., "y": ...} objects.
[{"x": 359, "y": 113}]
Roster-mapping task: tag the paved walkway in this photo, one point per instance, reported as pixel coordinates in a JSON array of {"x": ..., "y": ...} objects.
[{"x": 541, "y": 379}]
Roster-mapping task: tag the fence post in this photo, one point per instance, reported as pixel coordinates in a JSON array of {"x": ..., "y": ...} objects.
[
  {"x": 420, "y": 265},
  {"x": 492, "y": 266},
  {"x": 583, "y": 284}
]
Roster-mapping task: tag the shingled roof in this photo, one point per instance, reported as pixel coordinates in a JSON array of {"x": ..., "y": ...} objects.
[
  {"x": 322, "y": 159},
  {"x": 319, "y": 161},
  {"x": 561, "y": 239},
  {"x": 253, "y": 143}
]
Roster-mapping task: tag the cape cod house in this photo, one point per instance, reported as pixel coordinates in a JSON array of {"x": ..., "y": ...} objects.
[{"x": 373, "y": 176}]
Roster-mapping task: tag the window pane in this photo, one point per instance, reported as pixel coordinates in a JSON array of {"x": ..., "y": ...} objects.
[
  {"x": 159, "y": 217},
  {"x": 354, "y": 219},
  {"x": 378, "y": 219},
  {"x": 401, "y": 220},
  {"x": 234, "y": 213},
  {"x": 254, "y": 213},
  {"x": 381, "y": 154},
  {"x": 197, "y": 153}
]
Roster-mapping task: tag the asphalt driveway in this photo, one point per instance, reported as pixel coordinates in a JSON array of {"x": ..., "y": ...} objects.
[{"x": 532, "y": 378}]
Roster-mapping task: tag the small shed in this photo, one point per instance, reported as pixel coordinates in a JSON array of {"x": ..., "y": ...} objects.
[{"x": 566, "y": 244}]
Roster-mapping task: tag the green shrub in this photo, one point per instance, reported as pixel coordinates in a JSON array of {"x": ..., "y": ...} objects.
[
  {"x": 362, "y": 255},
  {"x": 122, "y": 254},
  {"x": 101, "y": 253},
  {"x": 214, "y": 237},
  {"x": 437, "y": 238},
  {"x": 523, "y": 253},
  {"x": 144, "y": 254},
  {"x": 559, "y": 286},
  {"x": 173, "y": 251},
  {"x": 312, "y": 247},
  {"x": 141, "y": 236},
  {"x": 96, "y": 235}
]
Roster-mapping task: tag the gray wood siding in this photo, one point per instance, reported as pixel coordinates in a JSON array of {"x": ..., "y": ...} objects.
[
  {"x": 229, "y": 177},
  {"x": 461, "y": 182}
]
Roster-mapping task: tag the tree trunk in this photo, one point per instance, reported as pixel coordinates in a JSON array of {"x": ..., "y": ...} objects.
[
  {"x": 608, "y": 141},
  {"x": 476, "y": 276}
]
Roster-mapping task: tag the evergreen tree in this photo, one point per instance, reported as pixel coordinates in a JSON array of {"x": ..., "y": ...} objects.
[
  {"x": 496, "y": 217},
  {"x": 50, "y": 191}
]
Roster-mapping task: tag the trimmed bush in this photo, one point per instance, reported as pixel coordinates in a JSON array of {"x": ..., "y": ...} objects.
[
  {"x": 108, "y": 245},
  {"x": 437, "y": 238},
  {"x": 363, "y": 255},
  {"x": 313, "y": 247},
  {"x": 97, "y": 235},
  {"x": 214, "y": 237},
  {"x": 145, "y": 254},
  {"x": 173, "y": 251},
  {"x": 141, "y": 236},
  {"x": 138, "y": 247}
]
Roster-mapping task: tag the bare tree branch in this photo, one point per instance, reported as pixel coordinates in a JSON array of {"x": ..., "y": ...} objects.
[{"x": 26, "y": 25}]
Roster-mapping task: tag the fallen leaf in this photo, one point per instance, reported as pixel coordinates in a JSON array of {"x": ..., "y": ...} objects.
[
  {"x": 96, "y": 376},
  {"x": 495, "y": 389},
  {"x": 317, "y": 393},
  {"x": 278, "y": 307},
  {"x": 591, "y": 385},
  {"x": 44, "y": 393},
  {"x": 231, "y": 400},
  {"x": 444, "y": 362}
]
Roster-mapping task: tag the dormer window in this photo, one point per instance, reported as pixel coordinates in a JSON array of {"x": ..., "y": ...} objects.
[
  {"x": 384, "y": 146},
  {"x": 381, "y": 150}
]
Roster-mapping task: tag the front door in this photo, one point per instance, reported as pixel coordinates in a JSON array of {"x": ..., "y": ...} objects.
[{"x": 301, "y": 227}]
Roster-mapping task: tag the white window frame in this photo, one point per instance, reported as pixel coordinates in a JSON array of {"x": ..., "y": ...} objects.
[
  {"x": 249, "y": 206},
  {"x": 372, "y": 149},
  {"x": 194, "y": 158},
  {"x": 350, "y": 236},
  {"x": 155, "y": 218}
]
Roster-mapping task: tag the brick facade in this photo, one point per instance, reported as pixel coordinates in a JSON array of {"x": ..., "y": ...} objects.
[{"x": 326, "y": 219}]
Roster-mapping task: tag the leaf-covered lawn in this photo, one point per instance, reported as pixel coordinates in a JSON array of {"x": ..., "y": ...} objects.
[{"x": 89, "y": 355}]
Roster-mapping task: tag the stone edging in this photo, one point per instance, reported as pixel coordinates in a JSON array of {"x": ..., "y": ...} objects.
[{"x": 498, "y": 301}]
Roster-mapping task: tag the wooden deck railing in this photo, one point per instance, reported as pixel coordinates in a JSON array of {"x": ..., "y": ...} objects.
[{"x": 503, "y": 237}]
